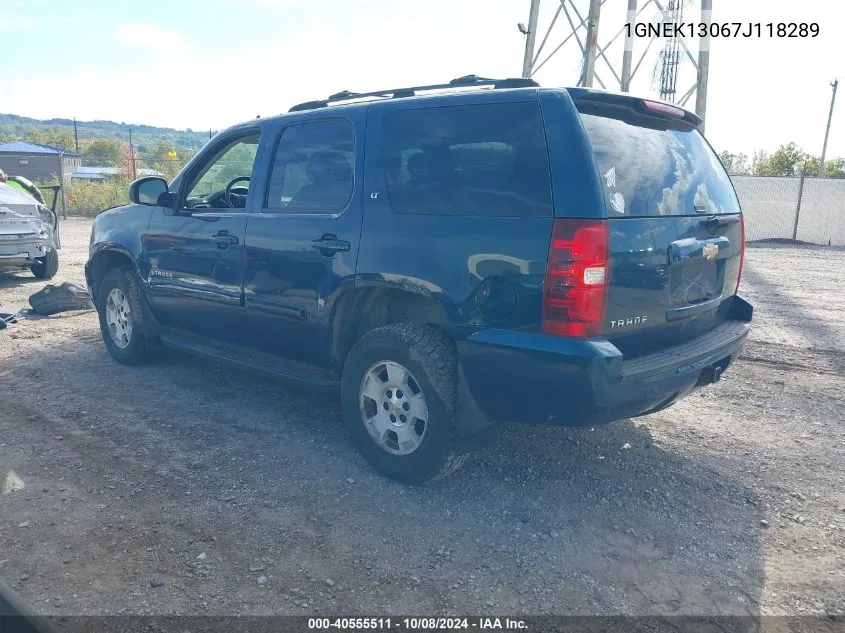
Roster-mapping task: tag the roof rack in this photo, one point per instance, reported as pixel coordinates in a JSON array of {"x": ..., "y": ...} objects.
[{"x": 468, "y": 81}]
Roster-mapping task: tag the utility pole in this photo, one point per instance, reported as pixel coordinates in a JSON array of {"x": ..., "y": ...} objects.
[
  {"x": 627, "y": 56},
  {"x": 530, "y": 38},
  {"x": 62, "y": 182},
  {"x": 591, "y": 43},
  {"x": 834, "y": 84},
  {"x": 132, "y": 155},
  {"x": 75, "y": 135},
  {"x": 703, "y": 64}
]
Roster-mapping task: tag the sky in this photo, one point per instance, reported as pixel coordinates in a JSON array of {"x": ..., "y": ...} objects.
[{"x": 212, "y": 63}]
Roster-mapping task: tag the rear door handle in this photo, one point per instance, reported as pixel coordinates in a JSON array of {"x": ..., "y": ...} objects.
[
  {"x": 223, "y": 238},
  {"x": 329, "y": 244}
]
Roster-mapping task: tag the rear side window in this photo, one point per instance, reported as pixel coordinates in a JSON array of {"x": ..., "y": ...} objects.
[
  {"x": 468, "y": 160},
  {"x": 654, "y": 172},
  {"x": 313, "y": 168}
]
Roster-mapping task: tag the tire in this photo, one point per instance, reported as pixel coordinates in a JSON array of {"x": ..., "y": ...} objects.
[
  {"x": 429, "y": 358},
  {"x": 127, "y": 309},
  {"x": 47, "y": 266}
]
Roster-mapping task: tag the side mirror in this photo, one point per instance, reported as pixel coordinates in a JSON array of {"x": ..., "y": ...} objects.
[{"x": 147, "y": 190}]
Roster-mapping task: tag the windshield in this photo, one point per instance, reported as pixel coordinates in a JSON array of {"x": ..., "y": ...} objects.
[{"x": 652, "y": 172}]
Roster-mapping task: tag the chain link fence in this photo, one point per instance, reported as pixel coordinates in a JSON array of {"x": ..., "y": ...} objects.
[{"x": 800, "y": 208}]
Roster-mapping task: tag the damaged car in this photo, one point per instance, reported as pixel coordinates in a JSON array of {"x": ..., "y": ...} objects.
[{"x": 29, "y": 233}]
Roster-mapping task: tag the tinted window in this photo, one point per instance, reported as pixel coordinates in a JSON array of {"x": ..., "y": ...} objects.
[
  {"x": 651, "y": 172},
  {"x": 313, "y": 168},
  {"x": 468, "y": 160}
]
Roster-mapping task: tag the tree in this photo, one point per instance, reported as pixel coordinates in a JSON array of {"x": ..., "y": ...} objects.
[
  {"x": 165, "y": 158},
  {"x": 126, "y": 166},
  {"x": 735, "y": 164},
  {"x": 785, "y": 161},
  {"x": 54, "y": 137},
  {"x": 758, "y": 161},
  {"x": 809, "y": 166},
  {"x": 834, "y": 168},
  {"x": 791, "y": 160},
  {"x": 102, "y": 152}
]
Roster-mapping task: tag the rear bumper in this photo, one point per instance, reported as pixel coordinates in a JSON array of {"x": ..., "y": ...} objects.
[
  {"x": 16, "y": 261},
  {"x": 23, "y": 251},
  {"x": 531, "y": 377}
]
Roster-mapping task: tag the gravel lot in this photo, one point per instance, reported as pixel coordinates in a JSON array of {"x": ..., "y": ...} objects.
[{"x": 187, "y": 487}]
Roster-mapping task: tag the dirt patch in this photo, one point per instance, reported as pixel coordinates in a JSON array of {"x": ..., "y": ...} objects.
[{"x": 191, "y": 488}]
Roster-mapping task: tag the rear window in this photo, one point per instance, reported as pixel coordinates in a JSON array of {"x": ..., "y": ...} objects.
[
  {"x": 652, "y": 172},
  {"x": 486, "y": 159}
]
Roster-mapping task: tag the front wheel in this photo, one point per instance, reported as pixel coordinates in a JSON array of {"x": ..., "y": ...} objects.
[
  {"x": 121, "y": 317},
  {"x": 398, "y": 396}
]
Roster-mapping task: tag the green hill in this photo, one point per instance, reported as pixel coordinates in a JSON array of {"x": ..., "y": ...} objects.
[{"x": 59, "y": 132}]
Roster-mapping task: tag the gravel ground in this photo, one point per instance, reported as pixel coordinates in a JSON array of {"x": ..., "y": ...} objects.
[{"x": 186, "y": 487}]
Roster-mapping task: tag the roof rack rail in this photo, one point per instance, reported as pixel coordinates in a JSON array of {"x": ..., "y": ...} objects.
[{"x": 467, "y": 81}]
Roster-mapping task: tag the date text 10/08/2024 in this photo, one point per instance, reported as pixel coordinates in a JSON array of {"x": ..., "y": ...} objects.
[
  {"x": 417, "y": 624},
  {"x": 723, "y": 29}
]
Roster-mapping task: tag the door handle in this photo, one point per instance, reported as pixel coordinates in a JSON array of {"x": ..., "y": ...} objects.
[
  {"x": 329, "y": 244},
  {"x": 223, "y": 238}
]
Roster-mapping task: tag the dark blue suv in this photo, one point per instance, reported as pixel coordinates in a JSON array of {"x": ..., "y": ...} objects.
[{"x": 449, "y": 256}]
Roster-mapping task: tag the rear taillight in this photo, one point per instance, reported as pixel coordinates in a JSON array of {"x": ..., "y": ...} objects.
[
  {"x": 741, "y": 251},
  {"x": 575, "y": 288}
]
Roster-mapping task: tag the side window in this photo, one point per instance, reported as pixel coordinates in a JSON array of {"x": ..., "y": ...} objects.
[
  {"x": 223, "y": 183},
  {"x": 313, "y": 168},
  {"x": 486, "y": 159}
]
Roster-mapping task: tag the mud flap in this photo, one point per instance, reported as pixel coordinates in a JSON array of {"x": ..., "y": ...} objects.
[{"x": 473, "y": 426}]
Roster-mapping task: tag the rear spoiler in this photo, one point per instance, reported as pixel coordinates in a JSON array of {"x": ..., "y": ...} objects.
[{"x": 633, "y": 109}]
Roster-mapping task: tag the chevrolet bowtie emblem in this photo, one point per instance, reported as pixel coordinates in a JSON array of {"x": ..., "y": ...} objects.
[{"x": 710, "y": 251}]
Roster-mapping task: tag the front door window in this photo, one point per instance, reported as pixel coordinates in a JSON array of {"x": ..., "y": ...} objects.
[{"x": 224, "y": 182}]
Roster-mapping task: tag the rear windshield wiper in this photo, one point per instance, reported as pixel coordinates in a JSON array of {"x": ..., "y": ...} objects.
[{"x": 717, "y": 222}]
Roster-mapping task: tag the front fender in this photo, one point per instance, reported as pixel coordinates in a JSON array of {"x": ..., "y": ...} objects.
[{"x": 121, "y": 230}]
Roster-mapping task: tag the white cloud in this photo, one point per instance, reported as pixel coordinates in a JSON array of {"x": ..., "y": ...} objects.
[
  {"x": 141, "y": 35},
  {"x": 406, "y": 42},
  {"x": 18, "y": 23}
]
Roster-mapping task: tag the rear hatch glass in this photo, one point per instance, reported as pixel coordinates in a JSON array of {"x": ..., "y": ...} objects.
[
  {"x": 674, "y": 226},
  {"x": 657, "y": 172}
]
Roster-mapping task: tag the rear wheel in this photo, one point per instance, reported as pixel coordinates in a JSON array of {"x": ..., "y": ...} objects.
[
  {"x": 121, "y": 317},
  {"x": 398, "y": 394},
  {"x": 47, "y": 266}
]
